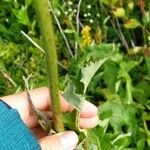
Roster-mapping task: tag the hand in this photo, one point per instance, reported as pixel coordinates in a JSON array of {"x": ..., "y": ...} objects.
[{"x": 41, "y": 100}]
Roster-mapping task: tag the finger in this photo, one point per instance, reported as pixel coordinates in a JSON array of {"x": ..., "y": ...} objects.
[
  {"x": 32, "y": 122},
  {"x": 39, "y": 132},
  {"x": 65, "y": 140},
  {"x": 41, "y": 100},
  {"x": 88, "y": 110},
  {"x": 20, "y": 102},
  {"x": 88, "y": 122}
]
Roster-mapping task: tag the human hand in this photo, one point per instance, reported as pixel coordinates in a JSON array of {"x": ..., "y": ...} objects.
[{"x": 65, "y": 140}]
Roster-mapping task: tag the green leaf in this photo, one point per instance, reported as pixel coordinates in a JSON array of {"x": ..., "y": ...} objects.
[
  {"x": 69, "y": 31},
  {"x": 89, "y": 71},
  {"x": 122, "y": 140},
  {"x": 76, "y": 100},
  {"x": 22, "y": 15},
  {"x": 2, "y": 66},
  {"x": 120, "y": 13},
  {"x": 121, "y": 116},
  {"x": 71, "y": 120},
  {"x": 147, "y": 59},
  {"x": 100, "y": 51},
  {"x": 141, "y": 92},
  {"x": 108, "y": 94},
  {"x": 110, "y": 72},
  {"x": 132, "y": 24},
  {"x": 129, "y": 65},
  {"x": 28, "y": 2},
  {"x": 98, "y": 137},
  {"x": 146, "y": 18},
  {"x": 117, "y": 85},
  {"x": 110, "y": 2},
  {"x": 141, "y": 144},
  {"x": 3, "y": 53},
  {"x": 114, "y": 111}
]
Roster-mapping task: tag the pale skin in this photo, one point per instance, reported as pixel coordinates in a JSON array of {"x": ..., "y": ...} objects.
[{"x": 40, "y": 97}]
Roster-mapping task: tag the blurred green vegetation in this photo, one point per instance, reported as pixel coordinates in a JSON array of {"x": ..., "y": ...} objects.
[{"x": 120, "y": 88}]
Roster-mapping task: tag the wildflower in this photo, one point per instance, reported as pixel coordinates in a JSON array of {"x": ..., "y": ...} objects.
[
  {"x": 91, "y": 21},
  {"x": 75, "y": 10},
  {"x": 98, "y": 15},
  {"x": 86, "y": 38},
  {"x": 85, "y": 15},
  {"x": 57, "y": 12},
  {"x": 70, "y": 9},
  {"x": 66, "y": 12},
  {"x": 130, "y": 5},
  {"x": 89, "y": 6},
  {"x": 70, "y": 3},
  {"x": 89, "y": 14},
  {"x": 7, "y": 20}
]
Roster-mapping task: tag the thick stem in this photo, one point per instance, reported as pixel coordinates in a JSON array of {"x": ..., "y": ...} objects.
[{"x": 46, "y": 26}]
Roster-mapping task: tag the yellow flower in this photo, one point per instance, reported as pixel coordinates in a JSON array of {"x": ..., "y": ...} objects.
[
  {"x": 85, "y": 30},
  {"x": 86, "y": 38}
]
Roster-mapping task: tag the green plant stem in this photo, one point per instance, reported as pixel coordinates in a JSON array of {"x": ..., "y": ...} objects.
[
  {"x": 86, "y": 144},
  {"x": 129, "y": 90},
  {"x": 47, "y": 31}
]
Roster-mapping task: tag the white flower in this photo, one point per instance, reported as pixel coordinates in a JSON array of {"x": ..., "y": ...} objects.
[
  {"x": 98, "y": 15},
  {"x": 70, "y": 9},
  {"x": 70, "y": 3},
  {"x": 85, "y": 15},
  {"x": 89, "y": 14},
  {"x": 91, "y": 21},
  {"x": 58, "y": 13},
  {"x": 75, "y": 10},
  {"x": 66, "y": 12},
  {"x": 89, "y": 6},
  {"x": 7, "y": 20}
]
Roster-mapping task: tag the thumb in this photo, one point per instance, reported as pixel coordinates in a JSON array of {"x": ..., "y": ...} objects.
[{"x": 61, "y": 141}]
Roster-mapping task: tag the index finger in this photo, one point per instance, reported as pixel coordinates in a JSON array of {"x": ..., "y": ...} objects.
[{"x": 41, "y": 100}]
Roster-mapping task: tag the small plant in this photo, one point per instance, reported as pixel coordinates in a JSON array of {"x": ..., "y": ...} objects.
[{"x": 103, "y": 56}]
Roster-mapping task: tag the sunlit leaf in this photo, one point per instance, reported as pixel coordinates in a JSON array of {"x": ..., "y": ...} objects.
[
  {"x": 89, "y": 71},
  {"x": 110, "y": 2},
  {"x": 132, "y": 24},
  {"x": 99, "y": 138},
  {"x": 28, "y": 2},
  {"x": 71, "y": 120},
  {"x": 122, "y": 140},
  {"x": 120, "y": 13},
  {"x": 120, "y": 115},
  {"x": 69, "y": 31},
  {"x": 22, "y": 15},
  {"x": 76, "y": 100}
]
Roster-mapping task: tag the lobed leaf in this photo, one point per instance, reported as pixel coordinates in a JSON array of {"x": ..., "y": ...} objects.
[
  {"x": 76, "y": 100},
  {"x": 89, "y": 71}
]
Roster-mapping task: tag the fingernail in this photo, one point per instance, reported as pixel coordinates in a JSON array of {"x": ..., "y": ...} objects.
[
  {"x": 88, "y": 110},
  {"x": 69, "y": 140}
]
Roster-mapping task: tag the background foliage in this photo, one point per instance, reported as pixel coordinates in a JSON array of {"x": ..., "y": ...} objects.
[{"x": 119, "y": 86}]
